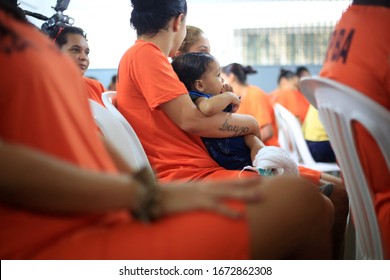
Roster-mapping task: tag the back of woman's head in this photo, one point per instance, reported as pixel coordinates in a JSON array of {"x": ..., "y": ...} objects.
[
  {"x": 239, "y": 71},
  {"x": 59, "y": 34},
  {"x": 12, "y": 8},
  {"x": 190, "y": 67},
  {"x": 192, "y": 36},
  {"x": 150, "y": 16},
  {"x": 286, "y": 74},
  {"x": 301, "y": 71}
]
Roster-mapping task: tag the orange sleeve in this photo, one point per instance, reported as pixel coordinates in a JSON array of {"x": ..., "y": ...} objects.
[{"x": 310, "y": 174}]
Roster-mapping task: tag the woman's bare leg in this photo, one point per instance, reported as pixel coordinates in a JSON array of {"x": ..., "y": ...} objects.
[{"x": 293, "y": 221}]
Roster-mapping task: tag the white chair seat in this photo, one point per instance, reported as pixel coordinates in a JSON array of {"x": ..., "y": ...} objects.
[{"x": 292, "y": 140}]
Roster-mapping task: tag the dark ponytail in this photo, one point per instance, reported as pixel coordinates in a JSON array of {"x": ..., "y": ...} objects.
[
  {"x": 286, "y": 74},
  {"x": 239, "y": 71}
]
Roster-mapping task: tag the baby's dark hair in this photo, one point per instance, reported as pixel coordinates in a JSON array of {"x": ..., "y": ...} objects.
[
  {"x": 150, "y": 16},
  {"x": 190, "y": 67},
  {"x": 286, "y": 74},
  {"x": 239, "y": 71},
  {"x": 59, "y": 34}
]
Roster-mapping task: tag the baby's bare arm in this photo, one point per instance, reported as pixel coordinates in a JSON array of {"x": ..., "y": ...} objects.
[{"x": 216, "y": 104}]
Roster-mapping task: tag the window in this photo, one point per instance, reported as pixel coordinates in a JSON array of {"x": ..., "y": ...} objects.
[{"x": 298, "y": 45}]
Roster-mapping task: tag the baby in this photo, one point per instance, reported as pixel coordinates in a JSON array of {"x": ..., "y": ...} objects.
[{"x": 200, "y": 73}]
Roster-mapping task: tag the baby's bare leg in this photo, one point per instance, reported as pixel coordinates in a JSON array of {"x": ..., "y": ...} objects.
[{"x": 254, "y": 144}]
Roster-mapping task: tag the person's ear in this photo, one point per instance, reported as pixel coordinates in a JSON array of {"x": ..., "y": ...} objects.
[
  {"x": 177, "y": 21},
  {"x": 198, "y": 85}
]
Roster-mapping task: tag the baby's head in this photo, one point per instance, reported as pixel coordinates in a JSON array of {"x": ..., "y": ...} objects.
[{"x": 199, "y": 72}]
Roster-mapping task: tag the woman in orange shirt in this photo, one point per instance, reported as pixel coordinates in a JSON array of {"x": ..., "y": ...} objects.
[
  {"x": 288, "y": 95},
  {"x": 73, "y": 41}
]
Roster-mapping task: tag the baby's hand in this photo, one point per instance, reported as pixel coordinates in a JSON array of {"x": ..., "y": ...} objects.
[
  {"x": 235, "y": 102},
  {"x": 226, "y": 87}
]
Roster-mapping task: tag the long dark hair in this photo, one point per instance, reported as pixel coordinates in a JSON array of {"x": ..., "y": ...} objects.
[{"x": 150, "y": 16}]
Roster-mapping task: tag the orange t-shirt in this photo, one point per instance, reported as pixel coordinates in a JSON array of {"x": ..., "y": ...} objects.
[
  {"x": 38, "y": 112},
  {"x": 147, "y": 80},
  {"x": 255, "y": 102},
  {"x": 359, "y": 56},
  {"x": 292, "y": 100},
  {"x": 94, "y": 89}
]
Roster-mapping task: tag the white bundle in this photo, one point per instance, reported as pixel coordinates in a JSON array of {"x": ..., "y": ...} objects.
[{"x": 275, "y": 158}]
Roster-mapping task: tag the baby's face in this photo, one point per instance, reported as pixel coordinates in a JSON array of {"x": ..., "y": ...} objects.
[{"x": 212, "y": 80}]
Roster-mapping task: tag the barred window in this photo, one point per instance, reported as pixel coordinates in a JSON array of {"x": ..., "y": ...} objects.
[{"x": 298, "y": 45}]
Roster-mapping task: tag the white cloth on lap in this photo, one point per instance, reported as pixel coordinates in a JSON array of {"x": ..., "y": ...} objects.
[{"x": 275, "y": 159}]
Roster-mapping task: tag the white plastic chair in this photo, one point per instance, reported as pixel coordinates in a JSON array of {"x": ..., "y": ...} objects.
[
  {"x": 338, "y": 107},
  {"x": 109, "y": 100},
  {"x": 290, "y": 126},
  {"x": 128, "y": 146}
]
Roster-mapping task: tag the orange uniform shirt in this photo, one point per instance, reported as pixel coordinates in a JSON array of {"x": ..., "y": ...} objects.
[
  {"x": 255, "y": 102},
  {"x": 94, "y": 89},
  {"x": 292, "y": 100},
  {"x": 359, "y": 56}
]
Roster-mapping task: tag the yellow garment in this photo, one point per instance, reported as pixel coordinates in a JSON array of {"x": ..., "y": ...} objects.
[{"x": 313, "y": 130}]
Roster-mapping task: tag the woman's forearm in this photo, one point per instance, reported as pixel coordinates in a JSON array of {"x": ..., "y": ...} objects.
[
  {"x": 186, "y": 115},
  {"x": 36, "y": 181}
]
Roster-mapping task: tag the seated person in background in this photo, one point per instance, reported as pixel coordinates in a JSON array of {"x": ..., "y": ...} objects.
[
  {"x": 200, "y": 73},
  {"x": 363, "y": 63},
  {"x": 313, "y": 131},
  {"x": 316, "y": 137},
  {"x": 112, "y": 85},
  {"x": 301, "y": 72},
  {"x": 73, "y": 41},
  {"x": 195, "y": 41},
  {"x": 61, "y": 196},
  {"x": 254, "y": 101},
  {"x": 288, "y": 95}
]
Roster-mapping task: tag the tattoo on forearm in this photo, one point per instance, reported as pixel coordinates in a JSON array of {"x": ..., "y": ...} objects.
[{"x": 237, "y": 130}]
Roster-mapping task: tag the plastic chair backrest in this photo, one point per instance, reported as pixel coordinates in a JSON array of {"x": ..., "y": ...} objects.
[
  {"x": 109, "y": 100},
  {"x": 116, "y": 133},
  {"x": 339, "y": 106},
  {"x": 299, "y": 146},
  {"x": 285, "y": 138}
]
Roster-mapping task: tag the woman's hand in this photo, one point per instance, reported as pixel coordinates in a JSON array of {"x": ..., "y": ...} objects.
[{"x": 181, "y": 197}]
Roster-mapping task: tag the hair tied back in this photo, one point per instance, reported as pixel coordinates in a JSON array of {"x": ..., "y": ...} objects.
[{"x": 142, "y": 5}]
